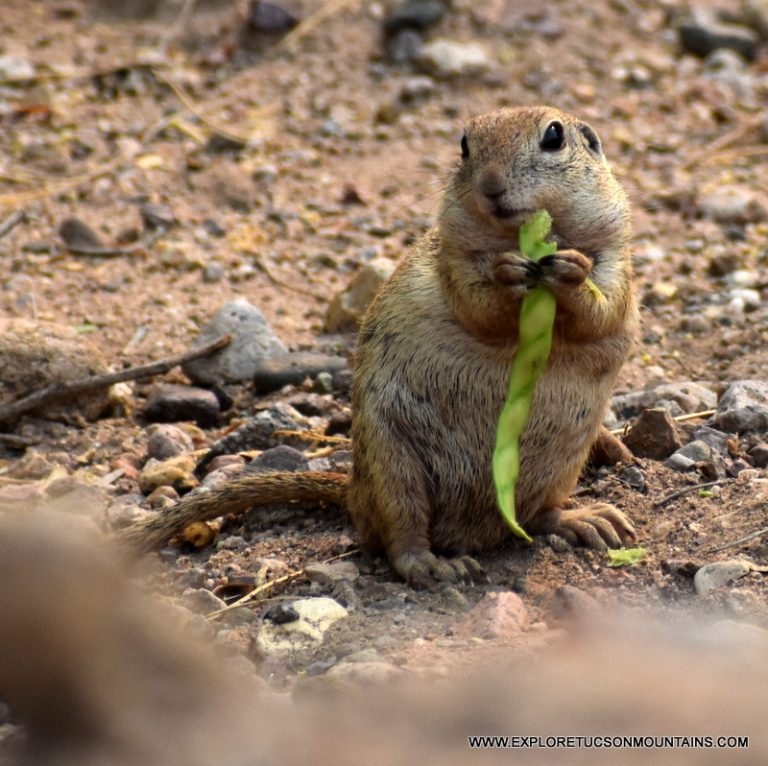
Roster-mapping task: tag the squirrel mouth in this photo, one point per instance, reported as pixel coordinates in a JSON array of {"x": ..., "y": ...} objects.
[{"x": 504, "y": 213}]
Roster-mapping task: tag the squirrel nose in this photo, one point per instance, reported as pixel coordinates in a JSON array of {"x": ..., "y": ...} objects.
[{"x": 492, "y": 185}]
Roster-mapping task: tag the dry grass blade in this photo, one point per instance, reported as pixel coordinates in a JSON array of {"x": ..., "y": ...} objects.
[{"x": 312, "y": 22}]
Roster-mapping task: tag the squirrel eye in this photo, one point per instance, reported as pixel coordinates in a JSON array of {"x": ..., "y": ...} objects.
[
  {"x": 464, "y": 147},
  {"x": 554, "y": 137}
]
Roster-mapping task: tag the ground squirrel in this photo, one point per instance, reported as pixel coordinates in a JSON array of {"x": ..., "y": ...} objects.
[{"x": 434, "y": 355}]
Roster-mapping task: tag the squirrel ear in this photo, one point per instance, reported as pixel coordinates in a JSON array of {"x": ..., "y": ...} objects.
[{"x": 593, "y": 142}]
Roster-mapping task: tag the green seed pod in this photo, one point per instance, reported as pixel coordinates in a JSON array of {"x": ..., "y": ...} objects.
[{"x": 537, "y": 317}]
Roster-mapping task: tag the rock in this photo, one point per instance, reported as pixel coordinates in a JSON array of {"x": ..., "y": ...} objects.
[
  {"x": 679, "y": 462},
  {"x": 572, "y": 602},
  {"x": 175, "y": 472},
  {"x": 741, "y": 300},
  {"x": 689, "y": 396},
  {"x": 633, "y": 477},
  {"x": 124, "y": 511},
  {"x": 759, "y": 455},
  {"x": 697, "y": 450},
  {"x": 372, "y": 673},
  {"x": 257, "y": 433},
  {"x": 316, "y": 615},
  {"x": 754, "y": 13},
  {"x": 416, "y": 89},
  {"x": 446, "y": 59},
  {"x": 77, "y": 235},
  {"x": 499, "y": 614},
  {"x": 213, "y": 272},
  {"x": 172, "y": 403},
  {"x": 655, "y": 435},
  {"x": 16, "y": 68},
  {"x": 293, "y": 368},
  {"x": 280, "y": 458},
  {"x": 201, "y": 601},
  {"x": 732, "y": 205},
  {"x": 404, "y": 47},
  {"x": 696, "y": 324},
  {"x": 168, "y": 441},
  {"x": 36, "y": 355},
  {"x": 331, "y": 574},
  {"x": 414, "y": 14},
  {"x": 701, "y": 33},
  {"x": 270, "y": 18},
  {"x": 156, "y": 216},
  {"x": 252, "y": 342},
  {"x": 347, "y": 308},
  {"x": 743, "y": 407},
  {"x": 162, "y": 497},
  {"x": 720, "y": 573}
]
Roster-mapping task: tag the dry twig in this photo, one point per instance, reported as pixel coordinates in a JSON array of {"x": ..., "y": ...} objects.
[
  {"x": 745, "y": 539},
  {"x": 687, "y": 490},
  {"x": 58, "y": 391},
  {"x": 12, "y": 221}
]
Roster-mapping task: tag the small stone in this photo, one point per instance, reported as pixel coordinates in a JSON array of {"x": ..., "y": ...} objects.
[
  {"x": 172, "y": 403},
  {"x": 162, "y": 497},
  {"x": 743, "y": 407},
  {"x": 175, "y": 472},
  {"x": 16, "y": 68},
  {"x": 720, "y": 573},
  {"x": 293, "y": 368},
  {"x": 701, "y": 33},
  {"x": 698, "y": 451},
  {"x": 213, "y": 272},
  {"x": 201, "y": 601},
  {"x": 558, "y": 544},
  {"x": 281, "y": 614},
  {"x": 124, "y": 511},
  {"x": 280, "y": 458},
  {"x": 323, "y": 383},
  {"x": 759, "y": 455},
  {"x": 679, "y": 462},
  {"x": 573, "y": 602},
  {"x": 270, "y": 18},
  {"x": 498, "y": 614},
  {"x": 414, "y": 14},
  {"x": 633, "y": 477},
  {"x": 168, "y": 441},
  {"x": 732, "y": 205},
  {"x": 688, "y": 395},
  {"x": 741, "y": 300},
  {"x": 347, "y": 308},
  {"x": 717, "y": 440},
  {"x": 446, "y": 59},
  {"x": 157, "y": 216},
  {"x": 696, "y": 324},
  {"x": 332, "y": 573},
  {"x": 744, "y": 278},
  {"x": 416, "y": 89},
  {"x": 404, "y": 47},
  {"x": 252, "y": 342},
  {"x": 78, "y": 235},
  {"x": 655, "y": 435},
  {"x": 316, "y": 615}
]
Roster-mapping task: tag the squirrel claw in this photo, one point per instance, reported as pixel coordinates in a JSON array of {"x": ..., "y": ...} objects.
[{"x": 423, "y": 570}]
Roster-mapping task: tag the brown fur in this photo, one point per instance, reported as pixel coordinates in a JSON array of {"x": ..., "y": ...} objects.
[{"x": 437, "y": 343}]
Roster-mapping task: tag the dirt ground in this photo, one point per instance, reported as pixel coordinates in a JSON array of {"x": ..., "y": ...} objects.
[{"x": 318, "y": 167}]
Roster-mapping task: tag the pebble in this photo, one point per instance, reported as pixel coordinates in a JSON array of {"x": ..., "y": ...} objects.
[
  {"x": 323, "y": 383},
  {"x": 252, "y": 341},
  {"x": 293, "y": 368},
  {"x": 743, "y": 407},
  {"x": 696, "y": 324},
  {"x": 347, "y": 307},
  {"x": 712, "y": 576},
  {"x": 213, "y": 272},
  {"x": 15, "y": 68},
  {"x": 497, "y": 615},
  {"x": 176, "y": 472},
  {"x": 741, "y": 300},
  {"x": 38, "y": 354},
  {"x": 731, "y": 205},
  {"x": 697, "y": 450},
  {"x": 269, "y": 18},
  {"x": 717, "y": 440},
  {"x": 173, "y": 403},
  {"x": 414, "y": 14},
  {"x": 679, "y": 462},
  {"x": 573, "y": 602},
  {"x": 125, "y": 510},
  {"x": 201, "y": 601},
  {"x": 759, "y": 455},
  {"x": 405, "y": 46},
  {"x": 655, "y": 435},
  {"x": 416, "y": 89},
  {"x": 157, "y": 216},
  {"x": 315, "y": 616},
  {"x": 447, "y": 59},
  {"x": 688, "y": 395},
  {"x": 280, "y": 458},
  {"x": 79, "y": 235},
  {"x": 701, "y": 33},
  {"x": 332, "y": 573},
  {"x": 633, "y": 477},
  {"x": 168, "y": 441},
  {"x": 162, "y": 497}
]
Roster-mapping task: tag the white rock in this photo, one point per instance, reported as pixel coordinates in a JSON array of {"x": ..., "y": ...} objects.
[
  {"x": 316, "y": 615},
  {"x": 448, "y": 58},
  {"x": 712, "y": 576}
]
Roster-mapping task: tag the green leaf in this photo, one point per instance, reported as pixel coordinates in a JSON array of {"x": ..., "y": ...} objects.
[{"x": 622, "y": 557}]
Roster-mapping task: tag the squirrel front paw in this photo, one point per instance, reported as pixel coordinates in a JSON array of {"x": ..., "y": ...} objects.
[{"x": 568, "y": 268}]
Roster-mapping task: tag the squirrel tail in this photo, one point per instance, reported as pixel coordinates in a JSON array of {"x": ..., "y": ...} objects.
[{"x": 235, "y": 496}]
